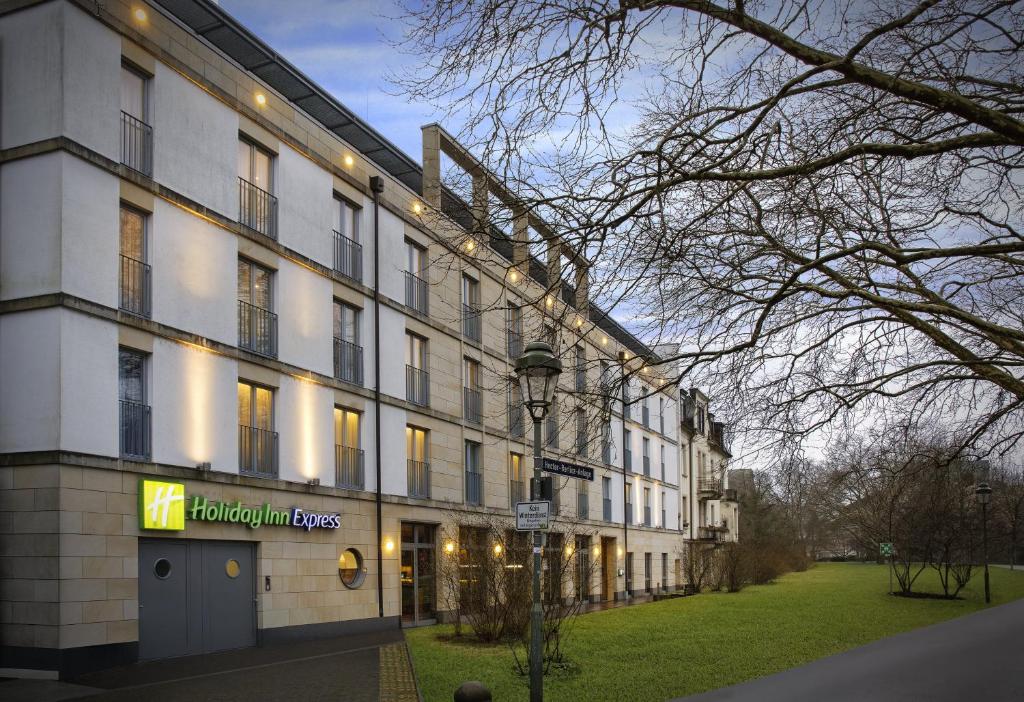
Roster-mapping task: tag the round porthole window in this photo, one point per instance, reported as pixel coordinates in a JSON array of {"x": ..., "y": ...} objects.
[
  {"x": 232, "y": 568},
  {"x": 350, "y": 568},
  {"x": 162, "y": 568}
]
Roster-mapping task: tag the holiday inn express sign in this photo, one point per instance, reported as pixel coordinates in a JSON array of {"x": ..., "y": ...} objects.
[{"x": 164, "y": 507}]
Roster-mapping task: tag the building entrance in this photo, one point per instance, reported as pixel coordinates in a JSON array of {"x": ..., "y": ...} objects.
[{"x": 418, "y": 574}]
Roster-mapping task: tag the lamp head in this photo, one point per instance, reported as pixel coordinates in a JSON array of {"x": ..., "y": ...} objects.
[{"x": 538, "y": 370}]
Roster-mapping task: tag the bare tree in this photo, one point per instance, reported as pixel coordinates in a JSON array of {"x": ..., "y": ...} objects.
[
  {"x": 819, "y": 197},
  {"x": 1008, "y": 506}
]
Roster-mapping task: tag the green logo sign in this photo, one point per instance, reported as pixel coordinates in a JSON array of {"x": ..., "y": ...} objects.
[{"x": 887, "y": 549}]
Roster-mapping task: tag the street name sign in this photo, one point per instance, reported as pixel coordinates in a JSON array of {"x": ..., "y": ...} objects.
[
  {"x": 570, "y": 470},
  {"x": 532, "y": 516}
]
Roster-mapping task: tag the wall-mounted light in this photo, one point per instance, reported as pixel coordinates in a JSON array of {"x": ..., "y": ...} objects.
[
  {"x": 389, "y": 545},
  {"x": 417, "y": 208},
  {"x": 568, "y": 551},
  {"x": 349, "y": 161},
  {"x": 140, "y": 14},
  {"x": 620, "y": 551},
  {"x": 597, "y": 551},
  {"x": 550, "y": 302},
  {"x": 261, "y": 99},
  {"x": 497, "y": 549},
  {"x": 513, "y": 276},
  {"x": 449, "y": 547}
]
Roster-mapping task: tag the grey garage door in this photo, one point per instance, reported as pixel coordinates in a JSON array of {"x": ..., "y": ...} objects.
[{"x": 195, "y": 597}]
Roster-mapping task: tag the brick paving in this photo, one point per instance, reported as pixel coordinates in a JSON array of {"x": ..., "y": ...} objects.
[{"x": 397, "y": 680}]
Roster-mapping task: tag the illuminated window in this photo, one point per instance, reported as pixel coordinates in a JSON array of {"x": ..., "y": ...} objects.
[{"x": 350, "y": 568}]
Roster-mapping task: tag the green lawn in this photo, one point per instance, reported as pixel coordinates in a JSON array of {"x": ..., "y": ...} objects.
[{"x": 676, "y": 647}]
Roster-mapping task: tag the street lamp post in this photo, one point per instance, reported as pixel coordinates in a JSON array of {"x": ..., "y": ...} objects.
[
  {"x": 984, "y": 493},
  {"x": 537, "y": 370}
]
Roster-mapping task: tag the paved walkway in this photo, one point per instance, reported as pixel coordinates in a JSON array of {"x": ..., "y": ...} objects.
[
  {"x": 977, "y": 657},
  {"x": 365, "y": 668}
]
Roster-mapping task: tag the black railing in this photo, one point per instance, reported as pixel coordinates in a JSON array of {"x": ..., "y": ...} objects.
[
  {"x": 257, "y": 209},
  {"x": 474, "y": 488},
  {"x": 417, "y": 386},
  {"x": 471, "y": 322},
  {"x": 472, "y": 405},
  {"x": 419, "y": 478},
  {"x": 647, "y": 466},
  {"x": 135, "y": 286},
  {"x": 647, "y": 516},
  {"x": 627, "y": 459},
  {"x": 582, "y": 505},
  {"x": 257, "y": 451},
  {"x": 348, "y": 361},
  {"x": 711, "y": 485},
  {"x": 606, "y": 510},
  {"x": 135, "y": 430},
  {"x": 516, "y": 420},
  {"x": 348, "y": 257},
  {"x": 515, "y": 343},
  {"x": 516, "y": 492},
  {"x": 349, "y": 467},
  {"x": 257, "y": 329},
  {"x": 136, "y": 144},
  {"x": 416, "y": 293}
]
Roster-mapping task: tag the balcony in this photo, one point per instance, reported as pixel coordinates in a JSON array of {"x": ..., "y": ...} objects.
[
  {"x": 348, "y": 257},
  {"x": 135, "y": 287},
  {"x": 136, "y": 144},
  {"x": 515, "y": 343},
  {"x": 257, "y": 452},
  {"x": 647, "y": 516},
  {"x": 582, "y": 505},
  {"x": 647, "y": 466},
  {"x": 417, "y": 386},
  {"x": 348, "y": 361},
  {"x": 419, "y": 479},
  {"x": 416, "y": 293},
  {"x": 516, "y": 421},
  {"x": 257, "y": 330},
  {"x": 472, "y": 405},
  {"x": 472, "y": 325},
  {"x": 606, "y": 509},
  {"x": 516, "y": 492},
  {"x": 349, "y": 469},
  {"x": 708, "y": 533},
  {"x": 135, "y": 430},
  {"x": 257, "y": 209},
  {"x": 627, "y": 459},
  {"x": 474, "y": 488},
  {"x": 709, "y": 487}
]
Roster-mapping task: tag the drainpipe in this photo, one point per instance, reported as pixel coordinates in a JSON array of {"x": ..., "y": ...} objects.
[
  {"x": 625, "y": 490},
  {"x": 377, "y": 187}
]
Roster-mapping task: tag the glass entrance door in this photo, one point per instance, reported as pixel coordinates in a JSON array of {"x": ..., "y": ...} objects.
[{"x": 418, "y": 576}]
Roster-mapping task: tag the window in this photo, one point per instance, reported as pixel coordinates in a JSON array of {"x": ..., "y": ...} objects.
[
  {"x": 645, "y": 409},
  {"x": 418, "y": 458},
  {"x": 647, "y": 572},
  {"x": 515, "y": 331},
  {"x": 581, "y": 432},
  {"x": 627, "y": 451},
  {"x": 415, "y": 278},
  {"x": 350, "y": 568},
  {"x": 134, "y": 270},
  {"x": 629, "y": 503},
  {"x": 664, "y": 518},
  {"x": 417, "y": 377},
  {"x": 662, "y": 448},
  {"x": 661, "y": 415},
  {"x": 582, "y": 500},
  {"x": 551, "y": 337},
  {"x": 348, "y": 252},
  {"x": 257, "y": 440},
  {"x": 257, "y": 207},
  {"x": 647, "y": 456},
  {"x": 474, "y": 478},
  {"x": 136, "y": 133},
  {"x": 471, "y": 312},
  {"x": 581, "y": 369},
  {"x": 257, "y": 323},
  {"x": 348, "y": 354},
  {"x": 647, "y": 506},
  {"x": 517, "y": 480},
  {"x": 629, "y": 572},
  {"x": 516, "y": 415},
  {"x": 664, "y": 571},
  {"x": 606, "y": 443},
  {"x": 472, "y": 394},
  {"x": 551, "y": 425},
  {"x": 134, "y": 412},
  {"x": 606, "y": 498},
  {"x": 349, "y": 465}
]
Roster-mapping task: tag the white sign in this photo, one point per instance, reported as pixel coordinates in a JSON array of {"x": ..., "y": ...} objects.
[{"x": 532, "y": 516}]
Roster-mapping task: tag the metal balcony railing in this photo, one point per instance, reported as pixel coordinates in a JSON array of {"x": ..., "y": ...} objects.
[
  {"x": 472, "y": 405},
  {"x": 419, "y": 479},
  {"x": 416, "y": 293},
  {"x": 709, "y": 485},
  {"x": 708, "y": 533},
  {"x": 257, "y": 209},
  {"x": 417, "y": 386},
  {"x": 348, "y": 257},
  {"x": 516, "y": 492},
  {"x": 257, "y": 329},
  {"x": 627, "y": 459},
  {"x": 647, "y": 466},
  {"x": 349, "y": 467},
  {"x": 647, "y": 516},
  {"x": 516, "y": 420},
  {"x": 606, "y": 511},
  {"x": 474, "y": 488},
  {"x": 582, "y": 505},
  {"x": 135, "y": 287},
  {"x": 348, "y": 361},
  {"x": 472, "y": 326},
  {"x": 645, "y": 416},
  {"x": 135, "y": 429},
  {"x": 257, "y": 451},
  {"x": 515, "y": 343},
  {"x": 136, "y": 144}
]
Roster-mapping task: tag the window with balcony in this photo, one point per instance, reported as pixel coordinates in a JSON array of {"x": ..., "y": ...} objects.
[
  {"x": 257, "y": 323},
  {"x": 645, "y": 409},
  {"x": 581, "y": 432},
  {"x": 606, "y": 443},
  {"x": 629, "y": 503},
  {"x": 134, "y": 278},
  {"x": 257, "y": 440},
  {"x": 348, "y": 353},
  {"x": 661, "y": 415},
  {"x": 516, "y": 412},
  {"x": 627, "y": 450},
  {"x": 418, "y": 462},
  {"x": 349, "y": 461},
  {"x": 132, "y": 402},
  {"x": 664, "y": 518},
  {"x": 348, "y": 252},
  {"x": 662, "y": 449},
  {"x": 472, "y": 394},
  {"x": 516, "y": 480},
  {"x": 514, "y": 331},
  {"x": 647, "y": 507},
  {"x": 664, "y": 571},
  {"x": 474, "y": 475},
  {"x": 472, "y": 315},
  {"x": 257, "y": 206},
  {"x": 647, "y": 456},
  {"x": 581, "y": 369},
  {"x": 417, "y": 377},
  {"x": 647, "y": 572},
  {"x": 606, "y": 499},
  {"x": 416, "y": 278},
  {"x": 551, "y": 422},
  {"x": 136, "y": 133},
  {"x": 582, "y": 500}
]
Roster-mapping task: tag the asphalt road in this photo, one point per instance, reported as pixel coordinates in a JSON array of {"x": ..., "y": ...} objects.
[{"x": 976, "y": 658}]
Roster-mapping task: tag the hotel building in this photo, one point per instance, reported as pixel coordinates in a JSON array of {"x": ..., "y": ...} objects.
[{"x": 255, "y": 360}]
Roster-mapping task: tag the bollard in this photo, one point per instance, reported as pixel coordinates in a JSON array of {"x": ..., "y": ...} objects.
[{"x": 472, "y": 692}]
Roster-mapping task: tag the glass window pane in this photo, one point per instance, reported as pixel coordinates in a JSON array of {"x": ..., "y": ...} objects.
[
  {"x": 244, "y": 281},
  {"x": 130, "y": 376},
  {"x": 261, "y": 169},
  {"x": 354, "y": 214},
  {"x": 261, "y": 287},
  {"x": 132, "y": 234},
  {"x": 264, "y": 409},
  {"x": 245, "y": 404},
  {"x": 133, "y": 93},
  {"x": 245, "y": 160}
]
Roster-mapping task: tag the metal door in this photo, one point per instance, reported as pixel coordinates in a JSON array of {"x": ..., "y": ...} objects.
[
  {"x": 229, "y": 617},
  {"x": 163, "y": 599}
]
